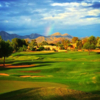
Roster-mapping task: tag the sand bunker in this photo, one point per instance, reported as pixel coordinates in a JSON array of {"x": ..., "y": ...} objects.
[
  {"x": 4, "y": 74},
  {"x": 25, "y": 76},
  {"x": 15, "y": 66}
]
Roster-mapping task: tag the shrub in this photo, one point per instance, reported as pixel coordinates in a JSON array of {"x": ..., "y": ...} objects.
[
  {"x": 62, "y": 47},
  {"x": 93, "y": 46},
  {"x": 20, "y": 49},
  {"x": 32, "y": 48},
  {"x": 54, "y": 50},
  {"x": 68, "y": 50},
  {"x": 47, "y": 48},
  {"x": 97, "y": 47},
  {"x": 24, "y": 48},
  {"x": 82, "y": 49},
  {"x": 40, "y": 49}
]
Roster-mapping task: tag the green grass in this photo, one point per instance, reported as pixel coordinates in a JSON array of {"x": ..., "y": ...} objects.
[{"x": 77, "y": 70}]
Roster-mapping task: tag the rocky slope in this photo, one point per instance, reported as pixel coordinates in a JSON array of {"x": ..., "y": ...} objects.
[{"x": 54, "y": 38}]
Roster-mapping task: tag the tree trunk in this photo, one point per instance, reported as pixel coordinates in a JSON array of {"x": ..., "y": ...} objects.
[
  {"x": 4, "y": 62},
  {"x": 89, "y": 51}
]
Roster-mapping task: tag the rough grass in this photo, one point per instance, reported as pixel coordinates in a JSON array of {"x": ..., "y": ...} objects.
[
  {"x": 9, "y": 85},
  {"x": 78, "y": 70},
  {"x": 19, "y": 90}
]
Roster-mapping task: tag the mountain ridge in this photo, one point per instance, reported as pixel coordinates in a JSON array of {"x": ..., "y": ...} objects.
[
  {"x": 6, "y": 36},
  {"x": 53, "y": 38}
]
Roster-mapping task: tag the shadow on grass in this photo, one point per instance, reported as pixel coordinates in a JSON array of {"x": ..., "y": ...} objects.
[
  {"x": 4, "y": 68},
  {"x": 96, "y": 92},
  {"x": 47, "y": 94},
  {"x": 20, "y": 63},
  {"x": 32, "y": 62},
  {"x": 33, "y": 54},
  {"x": 98, "y": 52}
]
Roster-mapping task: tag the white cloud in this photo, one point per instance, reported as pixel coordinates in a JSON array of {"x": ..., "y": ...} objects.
[
  {"x": 62, "y": 14},
  {"x": 27, "y": 19},
  {"x": 6, "y": 21},
  {"x": 11, "y": 32},
  {"x": 72, "y": 4},
  {"x": 92, "y": 1},
  {"x": 85, "y": 4},
  {"x": 0, "y": 5},
  {"x": 7, "y": 4},
  {"x": 74, "y": 16},
  {"x": 30, "y": 4},
  {"x": 94, "y": 12},
  {"x": 65, "y": 4},
  {"x": 73, "y": 13},
  {"x": 92, "y": 21}
]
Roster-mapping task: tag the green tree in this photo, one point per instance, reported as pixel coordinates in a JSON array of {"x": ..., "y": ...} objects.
[
  {"x": 26, "y": 42},
  {"x": 98, "y": 43},
  {"x": 44, "y": 43},
  {"x": 59, "y": 44},
  {"x": 65, "y": 43},
  {"x": 79, "y": 44},
  {"x": 17, "y": 43},
  {"x": 33, "y": 44},
  {"x": 24, "y": 48},
  {"x": 52, "y": 44},
  {"x": 89, "y": 46},
  {"x": 0, "y": 38},
  {"x": 84, "y": 40},
  {"x": 5, "y": 50},
  {"x": 92, "y": 40},
  {"x": 97, "y": 38},
  {"x": 8, "y": 41},
  {"x": 74, "y": 39}
]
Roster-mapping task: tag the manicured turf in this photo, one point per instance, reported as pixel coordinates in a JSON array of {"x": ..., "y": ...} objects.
[
  {"x": 19, "y": 90},
  {"x": 77, "y": 70}
]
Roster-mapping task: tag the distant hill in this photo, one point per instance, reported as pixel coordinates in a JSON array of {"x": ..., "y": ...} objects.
[
  {"x": 57, "y": 34},
  {"x": 5, "y": 36},
  {"x": 54, "y": 38}
]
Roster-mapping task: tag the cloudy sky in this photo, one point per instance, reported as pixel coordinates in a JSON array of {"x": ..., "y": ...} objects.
[{"x": 75, "y": 17}]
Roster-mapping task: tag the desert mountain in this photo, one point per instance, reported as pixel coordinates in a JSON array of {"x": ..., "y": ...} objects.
[
  {"x": 54, "y": 38},
  {"x": 5, "y": 36},
  {"x": 56, "y": 34}
]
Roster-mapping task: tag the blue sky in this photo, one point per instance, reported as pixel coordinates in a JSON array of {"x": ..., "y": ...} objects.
[{"x": 76, "y": 17}]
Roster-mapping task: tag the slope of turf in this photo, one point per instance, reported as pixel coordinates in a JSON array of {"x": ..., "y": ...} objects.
[
  {"x": 78, "y": 70},
  {"x": 19, "y": 90}
]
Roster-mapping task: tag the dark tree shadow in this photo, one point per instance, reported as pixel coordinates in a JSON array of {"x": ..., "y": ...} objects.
[
  {"x": 36, "y": 94},
  {"x": 35, "y": 64},
  {"x": 34, "y": 54},
  {"x": 98, "y": 52}
]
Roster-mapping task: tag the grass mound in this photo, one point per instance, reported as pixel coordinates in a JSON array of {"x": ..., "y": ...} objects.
[
  {"x": 76, "y": 70},
  {"x": 48, "y": 93}
]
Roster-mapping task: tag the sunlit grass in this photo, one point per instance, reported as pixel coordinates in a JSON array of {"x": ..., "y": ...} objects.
[{"x": 77, "y": 70}]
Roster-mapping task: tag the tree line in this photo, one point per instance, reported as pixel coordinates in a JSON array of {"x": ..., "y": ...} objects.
[
  {"x": 87, "y": 43},
  {"x": 18, "y": 45}
]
